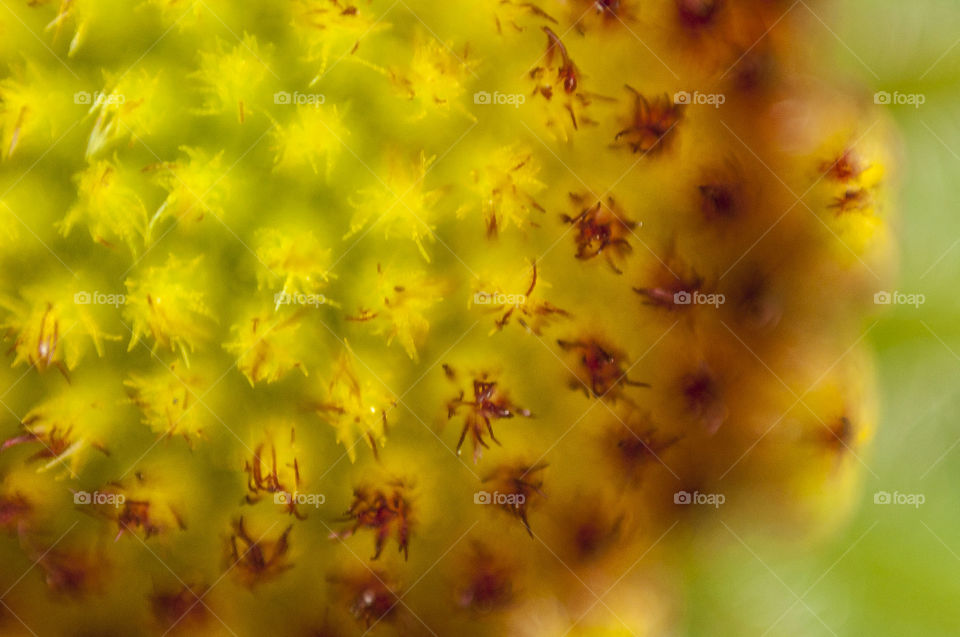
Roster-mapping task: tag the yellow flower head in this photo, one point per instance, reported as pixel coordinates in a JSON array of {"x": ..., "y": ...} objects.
[
  {"x": 169, "y": 401},
  {"x": 80, "y": 13},
  {"x": 558, "y": 91},
  {"x": 506, "y": 185},
  {"x": 53, "y": 325},
  {"x": 194, "y": 187},
  {"x": 315, "y": 134},
  {"x": 435, "y": 77},
  {"x": 143, "y": 505},
  {"x": 401, "y": 204},
  {"x": 67, "y": 426},
  {"x": 515, "y": 296},
  {"x": 30, "y": 101},
  {"x": 331, "y": 28},
  {"x": 291, "y": 263},
  {"x": 124, "y": 109},
  {"x": 355, "y": 407},
  {"x": 109, "y": 206},
  {"x": 166, "y": 303},
  {"x": 402, "y": 299},
  {"x": 854, "y": 179},
  {"x": 231, "y": 78},
  {"x": 267, "y": 345}
]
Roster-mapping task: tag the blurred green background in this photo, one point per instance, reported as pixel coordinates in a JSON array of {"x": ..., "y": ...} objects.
[{"x": 892, "y": 570}]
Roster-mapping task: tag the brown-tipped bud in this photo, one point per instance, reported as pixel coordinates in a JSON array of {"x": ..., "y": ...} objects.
[
  {"x": 386, "y": 511},
  {"x": 697, "y": 13},
  {"x": 634, "y": 447},
  {"x": 256, "y": 560},
  {"x": 601, "y": 369},
  {"x": 489, "y": 402},
  {"x": 182, "y": 606},
  {"x": 515, "y": 486},
  {"x": 487, "y": 582},
  {"x": 371, "y": 595},
  {"x": 702, "y": 394},
  {"x": 651, "y": 123},
  {"x": 601, "y": 228}
]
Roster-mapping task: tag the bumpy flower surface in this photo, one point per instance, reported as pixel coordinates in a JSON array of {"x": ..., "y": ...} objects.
[{"x": 348, "y": 317}]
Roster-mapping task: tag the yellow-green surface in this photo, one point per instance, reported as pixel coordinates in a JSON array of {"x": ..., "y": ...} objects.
[{"x": 354, "y": 271}]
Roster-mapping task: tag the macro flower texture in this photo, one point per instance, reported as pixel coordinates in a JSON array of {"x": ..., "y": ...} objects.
[{"x": 423, "y": 317}]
